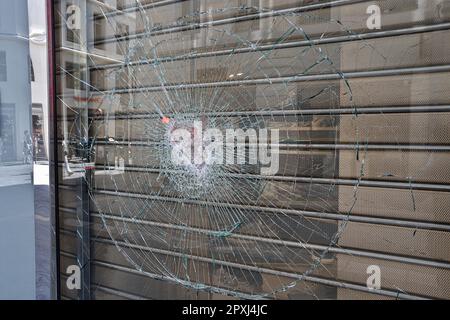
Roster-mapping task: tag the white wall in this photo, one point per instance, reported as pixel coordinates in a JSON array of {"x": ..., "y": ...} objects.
[
  {"x": 38, "y": 53},
  {"x": 17, "y": 234}
]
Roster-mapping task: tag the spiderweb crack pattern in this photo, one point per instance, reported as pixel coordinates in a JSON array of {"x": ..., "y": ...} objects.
[{"x": 218, "y": 228}]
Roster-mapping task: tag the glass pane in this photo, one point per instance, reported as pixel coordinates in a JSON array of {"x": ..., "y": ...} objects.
[
  {"x": 26, "y": 269},
  {"x": 254, "y": 149}
]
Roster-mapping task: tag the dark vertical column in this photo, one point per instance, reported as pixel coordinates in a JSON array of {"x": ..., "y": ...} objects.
[
  {"x": 84, "y": 236},
  {"x": 53, "y": 152}
]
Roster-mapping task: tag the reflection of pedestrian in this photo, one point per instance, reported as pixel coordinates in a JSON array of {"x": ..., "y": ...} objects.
[
  {"x": 27, "y": 148},
  {"x": 36, "y": 148}
]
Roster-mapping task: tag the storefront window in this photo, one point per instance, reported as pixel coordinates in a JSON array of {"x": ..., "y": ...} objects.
[{"x": 286, "y": 149}]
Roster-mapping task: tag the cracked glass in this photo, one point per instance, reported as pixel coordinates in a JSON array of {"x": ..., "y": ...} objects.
[{"x": 347, "y": 100}]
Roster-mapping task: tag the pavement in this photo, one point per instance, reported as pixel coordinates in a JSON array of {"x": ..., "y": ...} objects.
[
  {"x": 43, "y": 231},
  {"x": 16, "y": 196}
]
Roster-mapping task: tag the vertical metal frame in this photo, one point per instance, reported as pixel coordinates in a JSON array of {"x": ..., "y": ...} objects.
[
  {"x": 83, "y": 211},
  {"x": 53, "y": 152}
]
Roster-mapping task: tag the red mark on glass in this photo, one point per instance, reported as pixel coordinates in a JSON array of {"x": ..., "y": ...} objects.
[{"x": 165, "y": 120}]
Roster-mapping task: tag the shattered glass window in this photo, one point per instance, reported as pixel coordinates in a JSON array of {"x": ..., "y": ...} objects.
[{"x": 289, "y": 149}]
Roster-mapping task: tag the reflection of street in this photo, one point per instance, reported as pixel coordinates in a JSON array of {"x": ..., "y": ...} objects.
[
  {"x": 13, "y": 175},
  {"x": 43, "y": 233},
  {"x": 16, "y": 191},
  {"x": 17, "y": 232}
]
